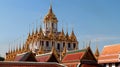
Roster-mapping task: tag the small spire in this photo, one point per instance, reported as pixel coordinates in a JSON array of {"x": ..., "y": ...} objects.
[
  {"x": 67, "y": 36},
  {"x": 36, "y": 31},
  {"x": 33, "y": 32},
  {"x": 36, "y": 27},
  {"x": 97, "y": 52},
  {"x": 9, "y": 48},
  {"x": 72, "y": 32},
  {"x": 19, "y": 47},
  {"x": 16, "y": 48},
  {"x": 40, "y": 30},
  {"x": 29, "y": 31},
  {"x": 89, "y": 43},
  {"x": 72, "y": 36},
  {"x": 33, "y": 29},
  {"x": 63, "y": 32},
  {"x": 50, "y": 10},
  {"x": 64, "y": 51}
]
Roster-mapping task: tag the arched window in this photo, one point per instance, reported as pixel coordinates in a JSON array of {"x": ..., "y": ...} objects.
[
  {"x": 53, "y": 43},
  {"x": 47, "y": 43},
  {"x": 74, "y": 45},
  {"x": 69, "y": 46},
  {"x": 53, "y": 25},
  {"x": 58, "y": 46}
]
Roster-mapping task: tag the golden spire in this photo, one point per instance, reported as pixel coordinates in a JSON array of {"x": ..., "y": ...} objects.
[
  {"x": 9, "y": 49},
  {"x": 64, "y": 51},
  {"x": 41, "y": 32},
  {"x": 96, "y": 52},
  {"x": 72, "y": 36},
  {"x": 62, "y": 35},
  {"x": 53, "y": 50},
  {"x": 50, "y": 17},
  {"x": 36, "y": 31},
  {"x": 28, "y": 34},
  {"x": 67, "y": 36},
  {"x": 17, "y": 49},
  {"x": 33, "y": 32}
]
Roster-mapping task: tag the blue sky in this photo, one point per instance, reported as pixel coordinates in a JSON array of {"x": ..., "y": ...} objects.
[{"x": 90, "y": 19}]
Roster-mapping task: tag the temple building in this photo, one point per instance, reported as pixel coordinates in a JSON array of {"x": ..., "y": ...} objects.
[
  {"x": 80, "y": 58},
  {"x": 110, "y": 56},
  {"x": 41, "y": 41},
  {"x": 49, "y": 46}
]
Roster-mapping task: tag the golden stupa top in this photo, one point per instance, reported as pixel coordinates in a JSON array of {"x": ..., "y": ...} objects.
[
  {"x": 62, "y": 35},
  {"x": 72, "y": 36},
  {"x": 50, "y": 17}
]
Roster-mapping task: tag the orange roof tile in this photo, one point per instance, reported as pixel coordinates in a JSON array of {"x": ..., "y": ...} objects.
[
  {"x": 74, "y": 56},
  {"x": 110, "y": 54}
]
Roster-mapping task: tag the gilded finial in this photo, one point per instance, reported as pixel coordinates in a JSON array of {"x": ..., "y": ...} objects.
[
  {"x": 36, "y": 27},
  {"x": 72, "y": 36},
  {"x": 64, "y": 51},
  {"x": 50, "y": 17},
  {"x": 96, "y": 51}
]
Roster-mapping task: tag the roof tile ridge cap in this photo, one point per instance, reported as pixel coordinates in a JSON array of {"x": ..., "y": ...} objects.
[
  {"x": 44, "y": 54},
  {"x": 112, "y": 45}
]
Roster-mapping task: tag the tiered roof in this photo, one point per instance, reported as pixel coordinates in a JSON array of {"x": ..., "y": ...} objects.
[
  {"x": 110, "y": 54},
  {"x": 47, "y": 57},
  {"x": 74, "y": 56},
  {"x": 28, "y": 56},
  {"x": 80, "y": 57}
]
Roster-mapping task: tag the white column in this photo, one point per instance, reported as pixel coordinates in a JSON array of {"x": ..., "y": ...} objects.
[
  {"x": 107, "y": 65},
  {"x": 113, "y": 65}
]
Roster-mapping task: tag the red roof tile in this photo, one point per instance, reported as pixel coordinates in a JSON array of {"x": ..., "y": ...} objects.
[
  {"x": 30, "y": 64},
  {"x": 110, "y": 54},
  {"x": 71, "y": 64},
  {"x": 86, "y": 65},
  {"x": 17, "y": 58},
  {"x": 74, "y": 56},
  {"x": 25, "y": 57},
  {"x": 43, "y": 58}
]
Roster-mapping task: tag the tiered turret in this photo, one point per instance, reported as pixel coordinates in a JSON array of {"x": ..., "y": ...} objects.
[{"x": 40, "y": 41}]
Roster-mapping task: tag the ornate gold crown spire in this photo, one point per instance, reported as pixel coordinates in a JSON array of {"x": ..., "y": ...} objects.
[
  {"x": 62, "y": 35},
  {"x": 33, "y": 32},
  {"x": 72, "y": 36},
  {"x": 50, "y": 17},
  {"x": 67, "y": 36},
  {"x": 41, "y": 32},
  {"x": 36, "y": 31}
]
